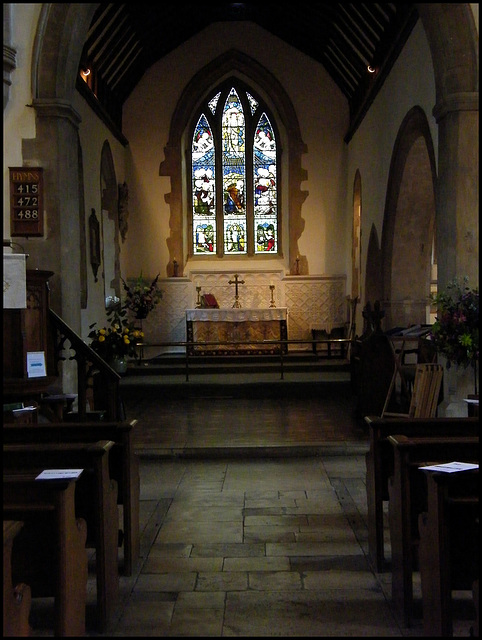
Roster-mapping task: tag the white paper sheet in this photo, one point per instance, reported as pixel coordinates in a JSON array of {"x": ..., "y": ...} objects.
[
  {"x": 36, "y": 364},
  {"x": 14, "y": 281},
  {"x": 59, "y": 474},
  {"x": 451, "y": 467}
]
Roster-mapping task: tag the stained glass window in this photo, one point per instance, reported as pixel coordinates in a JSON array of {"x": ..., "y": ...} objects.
[
  {"x": 234, "y": 181},
  {"x": 234, "y": 175},
  {"x": 203, "y": 188},
  {"x": 265, "y": 187}
]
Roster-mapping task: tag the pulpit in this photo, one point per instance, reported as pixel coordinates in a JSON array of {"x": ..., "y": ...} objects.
[
  {"x": 229, "y": 331},
  {"x": 27, "y": 330}
]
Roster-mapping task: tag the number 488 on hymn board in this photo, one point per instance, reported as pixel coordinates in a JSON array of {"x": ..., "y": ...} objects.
[{"x": 26, "y": 201}]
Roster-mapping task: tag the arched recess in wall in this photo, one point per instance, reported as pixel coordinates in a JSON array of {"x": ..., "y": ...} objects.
[
  {"x": 373, "y": 271},
  {"x": 237, "y": 64},
  {"x": 409, "y": 222},
  {"x": 109, "y": 224},
  {"x": 356, "y": 238},
  {"x": 61, "y": 32}
]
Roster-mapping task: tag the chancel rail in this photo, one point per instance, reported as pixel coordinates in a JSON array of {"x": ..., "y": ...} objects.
[{"x": 283, "y": 345}]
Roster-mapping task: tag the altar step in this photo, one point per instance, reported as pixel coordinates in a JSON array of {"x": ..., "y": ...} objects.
[
  {"x": 175, "y": 364},
  {"x": 237, "y": 376}
]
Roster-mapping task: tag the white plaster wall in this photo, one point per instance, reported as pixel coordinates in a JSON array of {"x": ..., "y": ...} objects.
[
  {"x": 323, "y": 118},
  {"x": 93, "y": 133},
  {"x": 370, "y": 150},
  {"x": 18, "y": 121}
]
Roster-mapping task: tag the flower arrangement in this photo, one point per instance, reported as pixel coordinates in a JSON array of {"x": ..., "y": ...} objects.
[
  {"x": 118, "y": 339},
  {"x": 142, "y": 298},
  {"x": 455, "y": 332}
]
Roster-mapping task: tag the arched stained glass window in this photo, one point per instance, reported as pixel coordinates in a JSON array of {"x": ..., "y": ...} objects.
[
  {"x": 265, "y": 187},
  {"x": 234, "y": 175},
  {"x": 203, "y": 188},
  {"x": 234, "y": 160}
]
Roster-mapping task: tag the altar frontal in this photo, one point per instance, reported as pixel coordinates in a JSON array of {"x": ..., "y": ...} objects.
[{"x": 236, "y": 331}]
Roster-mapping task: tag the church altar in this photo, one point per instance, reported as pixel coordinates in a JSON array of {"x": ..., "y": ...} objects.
[{"x": 234, "y": 325}]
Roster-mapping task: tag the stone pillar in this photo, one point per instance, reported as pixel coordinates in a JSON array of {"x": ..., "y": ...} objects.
[
  {"x": 457, "y": 188},
  {"x": 56, "y": 149},
  {"x": 457, "y": 216}
]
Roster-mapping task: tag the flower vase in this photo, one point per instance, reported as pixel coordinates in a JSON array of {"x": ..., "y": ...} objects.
[{"x": 119, "y": 364}]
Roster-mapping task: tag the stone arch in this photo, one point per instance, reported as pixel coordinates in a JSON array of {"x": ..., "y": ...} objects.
[
  {"x": 60, "y": 36},
  {"x": 408, "y": 225},
  {"x": 356, "y": 261},
  {"x": 234, "y": 63}
]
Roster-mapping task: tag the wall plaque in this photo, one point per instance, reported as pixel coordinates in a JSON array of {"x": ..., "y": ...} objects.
[{"x": 26, "y": 201}]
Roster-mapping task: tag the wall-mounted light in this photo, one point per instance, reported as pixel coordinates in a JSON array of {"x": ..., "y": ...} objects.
[
  {"x": 371, "y": 69},
  {"x": 84, "y": 73}
]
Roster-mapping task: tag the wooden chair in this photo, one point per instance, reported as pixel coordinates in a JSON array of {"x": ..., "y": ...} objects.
[{"x": 425, "y": 394}]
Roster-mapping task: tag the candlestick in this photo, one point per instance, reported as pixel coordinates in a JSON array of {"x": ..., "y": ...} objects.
[
  {"x": 297, "y": 265},
  {"x": 272, "y": 303},
  {"x": 198, "y": 302}
]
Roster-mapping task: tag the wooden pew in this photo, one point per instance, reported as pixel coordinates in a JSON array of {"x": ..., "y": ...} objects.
[
  {"x": 16, "y": 599},
  {"x": 26, "y": 414},
  {"x": 408, "y": 498},
  {"x": 95, "y": 502},
  {"x": 449, "y": 545},
  {"x": 123, "y": 463},
  {"x": 49, "y": 553},
  {"x": 379, "y": 466}
]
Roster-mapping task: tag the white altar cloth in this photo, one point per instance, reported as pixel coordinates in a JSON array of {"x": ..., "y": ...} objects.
[{"x": 236, "y": 315}]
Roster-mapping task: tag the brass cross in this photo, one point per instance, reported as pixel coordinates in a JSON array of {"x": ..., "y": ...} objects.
[{"x": 236, "y": 304}]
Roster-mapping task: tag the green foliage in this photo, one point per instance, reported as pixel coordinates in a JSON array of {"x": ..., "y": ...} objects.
[
  {"x": 118, "y": 338},
  {"x": 455, "y": 332},
  {"x": 142, "y": 297}
]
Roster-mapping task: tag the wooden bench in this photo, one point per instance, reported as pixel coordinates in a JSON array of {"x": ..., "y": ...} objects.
[
  {"x": 21, "y": 413},
  {"x": 449, "y": 546},
  {"x": 49, "y": 553},
  {"x": 379, "y": 466},
  {"x": 123, "y": 463},
  {"x": 408, "y": 498},
  {"x": 95, "y": 502},
  {"x": 16, "y": 598}
]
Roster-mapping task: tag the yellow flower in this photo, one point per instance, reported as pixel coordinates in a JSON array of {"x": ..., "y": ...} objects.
[
  {"x": 126, "y": 340},
  {"x": 102, "y": 332},
  {"x": 102, "y": 336}
]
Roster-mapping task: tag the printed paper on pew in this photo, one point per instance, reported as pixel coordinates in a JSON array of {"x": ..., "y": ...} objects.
[
  {"x": 59, "y": 474},
  {"x": 451, "y": 467}
]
